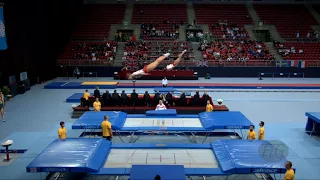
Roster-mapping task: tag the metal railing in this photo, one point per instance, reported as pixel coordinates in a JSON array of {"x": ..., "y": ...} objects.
[{"x": 188, "y": 63}]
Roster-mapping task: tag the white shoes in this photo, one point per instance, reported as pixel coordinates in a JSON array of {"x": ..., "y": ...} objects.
[
  {"x": 170, "y": 67},
  {"x": 166, "y": 55}
]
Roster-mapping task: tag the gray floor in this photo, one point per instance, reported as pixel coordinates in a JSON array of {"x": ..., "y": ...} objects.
[{"x": 33, "y": 119}]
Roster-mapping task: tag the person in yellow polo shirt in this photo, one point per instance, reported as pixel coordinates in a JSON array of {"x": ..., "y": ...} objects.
[
  {"x": 106, "y": 128},
  {"x": 209, "y": 107},
  {"x": 97, "y": 105},
  {"x": 62, "y": 131},
  {"x": 261, "y": 131},
  {"x": 86, "y": 96},
  {"x": 251, "y": 133},
  {"x": 289, "y": 175}
]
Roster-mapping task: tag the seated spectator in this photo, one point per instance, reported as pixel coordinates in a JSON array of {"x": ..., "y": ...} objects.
[
  {"x": 116, "y": 98},
  {"x": 107, "y": 99},
  {"x": 209, "y": 107},
  {"x": 134, "y": 97},
  {"x": 124, "y": 98},
  {"x": 146, "y": 98},
  {"x": 164, "y": 82},
  {"x": 96, "y": 93},
  {"x": 161, "y": 106},
  {"x": 97, "y": 105}
]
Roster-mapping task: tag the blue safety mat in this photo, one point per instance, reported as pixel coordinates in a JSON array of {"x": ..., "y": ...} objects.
[
  {"x": 245, "y": 156},
  {"x": 224, "y": 120},
  {"x": 93, "y": 120},
  {"x": 76, "y": 85},
  {"x": 167, "y": 112},
  {"x": 313, "y": 123},
  {"x": 164, "y": 89},
  {"x": 71, "y": 155},
  {"x": 75, "y": 98},
  {"x": 148, "y": 172}
]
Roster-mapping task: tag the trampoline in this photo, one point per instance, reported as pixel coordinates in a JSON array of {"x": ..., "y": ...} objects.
[
  {"x": 161, "y": 122},
  {"x": 101, "y": 157},
  {"x": 312, "y": 126}
]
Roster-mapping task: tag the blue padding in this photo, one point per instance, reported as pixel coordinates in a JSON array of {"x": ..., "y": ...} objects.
[
  {"x": 314, "y": 115},
  {"x": 71, "y": 155},
  {"x": 313, "y": 122},
  {"x": 148, "y": 172},
  {"x": 93, "y": 120},
  {"x": 224, "y": 120},
  {"x": 247, "y": 156},
  {"x": 175, "y": 116},
  {"x": 159, "y": 128},
  {"x": 167, "y": 112},
  {"x": 54, "y": 85},
  {"x": 160, "y": 145},
  {"x": 163, "y": 89},
  {"x": 75, "y": 98}
]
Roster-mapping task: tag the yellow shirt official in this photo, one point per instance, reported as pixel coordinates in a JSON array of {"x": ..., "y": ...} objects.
[
  {"x": 289, "y": 175},
  {"x": 251, "y": 135},
  {"x": 261, "y": 133},
  {"x": 106, "y": 126},
  {"x": 209, "y": 108},
  {"x": 62, "y": 133},
  {"x": 86, "y": 95},
  {"x": 97, "y": 106}
]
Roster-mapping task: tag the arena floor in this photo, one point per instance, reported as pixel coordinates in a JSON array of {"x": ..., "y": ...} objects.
[{"x": 33, "y": 119}]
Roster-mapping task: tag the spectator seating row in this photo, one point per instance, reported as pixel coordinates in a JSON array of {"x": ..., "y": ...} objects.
[
  {"x": 96, "y": 21},
  {"x": 288, "y": 19},
  {"x": 163, "y": 16},
  {"x": 311, "y": 50}
]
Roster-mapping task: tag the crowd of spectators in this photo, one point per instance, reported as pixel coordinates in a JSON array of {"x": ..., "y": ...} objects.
[
  {"x": 242, "y": 51},
  {"x": 285, "y": 51},
  {"x": 156, "y": 30},
  {"x": 95, "y": 51},
  {"x": 230, "y": 30}
]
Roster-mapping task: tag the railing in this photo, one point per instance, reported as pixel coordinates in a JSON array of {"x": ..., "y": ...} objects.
[{"x": 189, "y": 63}]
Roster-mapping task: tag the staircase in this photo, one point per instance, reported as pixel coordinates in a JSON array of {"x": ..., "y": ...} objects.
[
  {"x": 197, "y": 54},
  {"x": 191, "y": 13},
  {"x": 273, "y": 50},
  {"x": 314, "y": 13},
  {"x": 119, "y": 54},
  {"x": 253, "y": 14},
  {"x": 128, "y": 13}
]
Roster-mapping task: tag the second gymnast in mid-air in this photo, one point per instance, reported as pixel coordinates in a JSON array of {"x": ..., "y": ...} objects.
[{"x": 148, "y": 68}]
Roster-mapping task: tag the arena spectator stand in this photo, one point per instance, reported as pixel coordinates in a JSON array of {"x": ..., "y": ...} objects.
[
  {"x": 222, "y": 18},
  {"x": 79, "y": 53},
  {"x": 306, "y": 51},
  {"x": 288, "y": 19},
  {"x": 158, "y": 21},
  {"x": 96, "y": 21},
  {"x": 237, "y": 53},
  {"x": 140, "y": 53}
]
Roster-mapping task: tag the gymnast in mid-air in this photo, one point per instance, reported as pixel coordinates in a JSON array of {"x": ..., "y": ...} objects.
[{"x": 148, "y": 68}]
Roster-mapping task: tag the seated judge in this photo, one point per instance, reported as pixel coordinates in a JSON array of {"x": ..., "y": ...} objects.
[
  {"x": 116, "y": 98},
  {"x": 124, "y": 98},
  {"x": 196, "y": 98},
  {"x": 183, "y": 99},
  {"x": 107, "y": 99},
  {"x": 161, "y": 106},
  {"x": 96, "y": 93},
  {"x": 169, "y": 98},
  {"x": 205, "y": 97},
  {"x": 97, "y": 105},
  {"x": 156, "y": 97},
  {"x": 134, "y": 97},
  {"x": 146, "y": 98},
  {"x": 164, "y": 82}
]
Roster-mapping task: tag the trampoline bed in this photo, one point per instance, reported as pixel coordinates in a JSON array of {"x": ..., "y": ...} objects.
[{"x": 101, "y": 157}]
